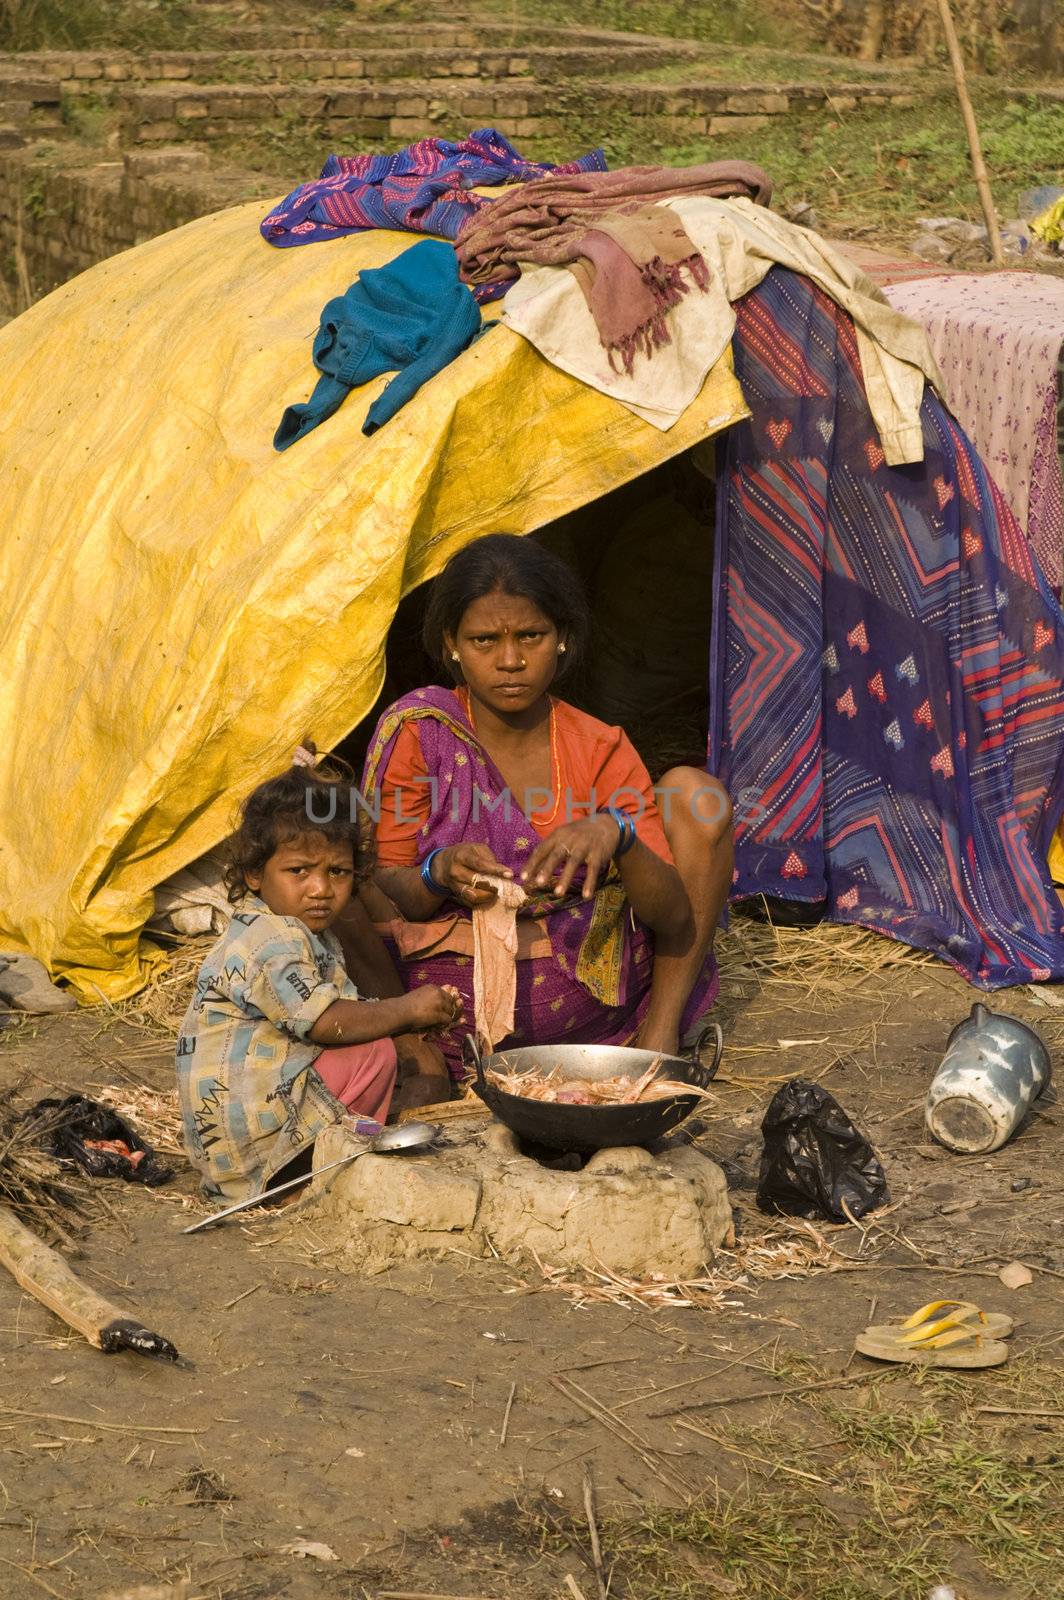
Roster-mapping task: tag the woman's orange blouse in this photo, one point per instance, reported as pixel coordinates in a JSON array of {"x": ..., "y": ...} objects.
[{"x": 597, "y": 767}]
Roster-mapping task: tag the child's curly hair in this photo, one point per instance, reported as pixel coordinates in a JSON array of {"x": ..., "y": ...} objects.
[{"x": 311, "y": 797}]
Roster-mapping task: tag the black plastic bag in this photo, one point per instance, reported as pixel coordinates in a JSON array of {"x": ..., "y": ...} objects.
[
  {"x": 814, "y": 1159},
  {"x": 74, "y": 1125}
]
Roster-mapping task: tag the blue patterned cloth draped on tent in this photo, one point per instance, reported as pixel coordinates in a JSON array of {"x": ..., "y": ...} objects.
[
  {"x": 886, "y": 702},
  {"x": 427, "y": 187}
]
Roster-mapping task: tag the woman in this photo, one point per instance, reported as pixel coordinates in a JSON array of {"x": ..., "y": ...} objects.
[{"x": 496, "y": 776}]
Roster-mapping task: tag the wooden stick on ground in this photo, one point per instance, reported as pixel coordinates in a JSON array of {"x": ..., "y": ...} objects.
[
  {"x": 96, "y": 1422},
  {"x": 771, "y": 1394},
  {"x": 982, "y": 182},
  {"x": 592, "y": 1529},
  {"x": 647, "y": 1453},
  {"x": 445, "y": 1110},
  {"x": 703, "y": 1377},
  {"x": 570, "y": 1538},
  {"x": 423, "y": 1594},
  {"x": 32, "y": 1576},
  {"x": 506, "y": 1415},
  {"x": 1012, "y": 1411},
  {"x": 43, "y": 1273},
  {"x": 774, "y": 1466}
]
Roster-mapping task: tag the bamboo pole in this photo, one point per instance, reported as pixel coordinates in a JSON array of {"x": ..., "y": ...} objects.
[
  {"x": 43, "y": 1273},
  {"x": 982, "y": 182}
]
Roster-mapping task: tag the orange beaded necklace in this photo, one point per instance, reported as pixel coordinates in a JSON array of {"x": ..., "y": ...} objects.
[{"x": 466, "y": 702}]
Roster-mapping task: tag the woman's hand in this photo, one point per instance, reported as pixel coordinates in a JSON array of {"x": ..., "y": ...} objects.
[
  {"x": 457, "y": 866},
  {"x": 589, "y": 844},
  {"x": 433, "y": 1008}
]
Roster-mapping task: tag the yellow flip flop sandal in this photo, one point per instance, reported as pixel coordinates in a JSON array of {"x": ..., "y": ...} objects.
[
  {"x": 960, "y": 1347},
  {"x": 964, "y": 1337},
  {"x": 940, "y": 1316}
]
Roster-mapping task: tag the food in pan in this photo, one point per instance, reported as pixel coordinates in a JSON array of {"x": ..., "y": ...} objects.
[{"x": 554, "y": 1089}]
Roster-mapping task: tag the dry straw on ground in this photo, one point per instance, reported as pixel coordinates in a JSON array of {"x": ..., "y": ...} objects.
[
  {"x": 783, "y": 1250},
  {"x": 51, "y": 1199},
  {"x": 159, "y": 1008},
  {"x": 822, "y": 963},
  {"x": 153, "y": 1112}
]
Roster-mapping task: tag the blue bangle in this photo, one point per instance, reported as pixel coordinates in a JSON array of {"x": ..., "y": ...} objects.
[
  {"x": 627, "y": 827},
  {"x": 426, "y": 874}
]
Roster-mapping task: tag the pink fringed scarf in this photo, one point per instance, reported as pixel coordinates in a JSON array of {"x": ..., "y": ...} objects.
[
  {"x": 632, "y": 258},
  {"x": 631, "y": 266}
]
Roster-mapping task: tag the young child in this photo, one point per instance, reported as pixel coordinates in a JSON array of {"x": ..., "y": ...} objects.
[{"x": 277, "y": 1043}]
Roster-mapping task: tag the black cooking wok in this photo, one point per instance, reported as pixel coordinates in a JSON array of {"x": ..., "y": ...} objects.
[{"x": 587, "y": 1128}]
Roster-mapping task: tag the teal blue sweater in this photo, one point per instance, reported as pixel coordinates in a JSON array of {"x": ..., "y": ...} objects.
[{"x": 411, "y": 317}]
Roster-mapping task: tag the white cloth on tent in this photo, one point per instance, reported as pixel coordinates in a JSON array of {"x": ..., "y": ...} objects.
[
  {"x": 547, "y": 306},
  {"x": 740, "y": 242}
]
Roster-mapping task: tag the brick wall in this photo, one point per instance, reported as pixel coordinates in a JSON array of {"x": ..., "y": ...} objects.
[
  {"x": 64, "y": 218},
  {"x": 64, "y": 209},
  {"x": 100, "y": 72},
  {"x": 384, "y": 112}
]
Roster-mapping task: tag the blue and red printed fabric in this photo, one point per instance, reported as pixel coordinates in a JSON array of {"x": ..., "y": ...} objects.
[
  {"x": 886, "y": 695},
  {"x": 425, "y": 188}
]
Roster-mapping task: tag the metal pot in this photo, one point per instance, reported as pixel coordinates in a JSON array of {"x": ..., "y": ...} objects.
[
  {"x": 994, "y": 1069},
  {"x": 586, "y": 1128}
]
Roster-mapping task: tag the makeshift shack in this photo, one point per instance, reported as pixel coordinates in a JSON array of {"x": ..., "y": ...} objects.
[{"x": 869, "y": 649}]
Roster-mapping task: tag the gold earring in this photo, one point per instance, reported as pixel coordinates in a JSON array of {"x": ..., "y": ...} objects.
[
  {"x": 455, "y": 656},
  {"x": 561, "y": 647}
]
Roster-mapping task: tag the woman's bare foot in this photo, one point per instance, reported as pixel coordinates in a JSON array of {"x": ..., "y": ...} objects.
[
  {"x": 423, "y": 1078},
  {"x": 422, "y": 1091}
]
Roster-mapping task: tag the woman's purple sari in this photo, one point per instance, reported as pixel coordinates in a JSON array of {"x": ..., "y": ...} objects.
[{"x": 594, "y": 987}]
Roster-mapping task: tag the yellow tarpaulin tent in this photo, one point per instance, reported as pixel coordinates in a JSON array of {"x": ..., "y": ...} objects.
[{"x": 179, "y": 604}]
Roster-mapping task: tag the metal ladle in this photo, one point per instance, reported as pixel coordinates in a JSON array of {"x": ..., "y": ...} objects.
[{"x": 390, "y": 1141}]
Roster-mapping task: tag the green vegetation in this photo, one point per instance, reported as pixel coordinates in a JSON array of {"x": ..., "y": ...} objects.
[
  {"x": 137, "y": 24},
  {"x": 741, "y": 64},
  {"x": 888, "y": 1500},
  {"x": 288, "y": 147},
  {"x": 33, "y": 198},
  {"x": 94, "y": 24},
  {"x": 863, "y": 169},
  {"x": 713, "y": 21},
  {"x": 177, "y": 24},
  {"x": 89, "y": 118},
  {"x": 881, "y": 168}
]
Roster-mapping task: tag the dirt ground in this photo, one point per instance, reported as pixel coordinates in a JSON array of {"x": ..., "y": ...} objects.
[{"x": 367, "y": 1415}]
